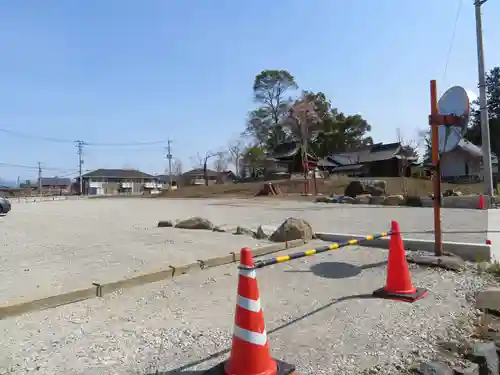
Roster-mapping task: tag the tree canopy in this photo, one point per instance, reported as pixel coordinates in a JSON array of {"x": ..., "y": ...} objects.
[
  {"x": 473, "y": 134},
  {"x": 283, "y": 113}
]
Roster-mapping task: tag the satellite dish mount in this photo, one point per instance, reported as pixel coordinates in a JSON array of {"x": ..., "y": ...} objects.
[{"x": 448, "y": 120}]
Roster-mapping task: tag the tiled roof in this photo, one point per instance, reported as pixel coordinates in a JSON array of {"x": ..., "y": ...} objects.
[
  {"x": 285, "y": 150},
  {"x": 368, "y": 154},
  {"x": 200, "y": 172},
  {"x": 349, "y": 168},
  {"x": 118, "y": 173}
]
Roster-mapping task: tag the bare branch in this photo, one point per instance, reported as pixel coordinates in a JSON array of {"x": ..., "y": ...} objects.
[
  {"x": 221, "y": 162},
  {"x": 303, "y": 119},
  {"x": 235, "y": 153},
  {"x": 202, "y": 161}
]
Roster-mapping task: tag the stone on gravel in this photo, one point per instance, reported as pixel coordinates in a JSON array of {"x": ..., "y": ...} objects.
[
  {"x": 434, "y": 368},
  {"x": 346, "y": 200},
  {"x": 327, "y": 200},
  {"x": 376, "y": 191},
  {"x": 195, "y": 223},
  {"x": 362, "y": 199},
  {"x": 488, "y": 299},
  {"x": 244, "y": 231},
  {"x": 472, "y": 369},
  {"x": 452, "y": 263},
  {"x": 224, "y": 228},
  {"x": 264, "y": 232},
  {"x": 485, "y": 355},
  {"x": 372, "y": 187},
  {"x": 354, "y": 189},
  {"x": 394, "y": 200},
  {"x": 323, "y": 200},
  {"x": 165, "y": 224},
  {"x": 293, "y": 229}
]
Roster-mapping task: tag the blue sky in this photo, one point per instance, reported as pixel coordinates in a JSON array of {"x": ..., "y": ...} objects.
[{"x": 130, "y": 71}]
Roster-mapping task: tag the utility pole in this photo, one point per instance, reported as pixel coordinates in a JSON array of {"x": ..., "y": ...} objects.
[
  {"x": 169, "y": 157},
  {"x": 40, "y": 178},
  {"x": 483, "y": 104},
  {"x": 79, "y": 147}
]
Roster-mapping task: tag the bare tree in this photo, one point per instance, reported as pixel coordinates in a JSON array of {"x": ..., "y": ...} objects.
[
  {"x": 202, "y": 161},
  {"x": 221, "y": 162},
  {"x": 235, "y": 154},
  {"x": 302, "y": 121}
]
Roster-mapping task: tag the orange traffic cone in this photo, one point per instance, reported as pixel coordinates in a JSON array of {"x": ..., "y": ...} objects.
[
  {"x": 250, "y": 354},
  {"x": 480, "y": 203},
  {"x": 398, "y": 285}
]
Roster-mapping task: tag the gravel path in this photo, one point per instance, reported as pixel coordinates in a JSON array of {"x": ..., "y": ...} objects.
[
  {"x": 52, "y": 247},
  {"x": 56, "y": 247},
  {"x": 313, "y": 309}
]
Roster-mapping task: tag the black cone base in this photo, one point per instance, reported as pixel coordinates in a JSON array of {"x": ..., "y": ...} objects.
[
  {"x": 283, "y": 369},
  {"x": 419, "y": 294}
]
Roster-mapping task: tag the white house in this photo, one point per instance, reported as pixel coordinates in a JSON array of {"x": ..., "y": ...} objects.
[{"x": 465, "y": 163}]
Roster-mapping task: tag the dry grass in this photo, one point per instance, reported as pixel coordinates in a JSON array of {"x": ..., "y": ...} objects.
[{"x": 334, "y": 185}]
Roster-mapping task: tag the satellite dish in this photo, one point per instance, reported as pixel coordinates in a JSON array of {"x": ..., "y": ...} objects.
[{"x": 455, "y": 101}]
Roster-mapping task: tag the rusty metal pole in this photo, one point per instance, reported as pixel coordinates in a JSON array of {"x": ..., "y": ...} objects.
[{"x": 438, "y": 245}]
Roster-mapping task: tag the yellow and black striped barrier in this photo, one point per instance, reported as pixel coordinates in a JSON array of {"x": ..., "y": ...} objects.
[{"x": 318, "y": 250}]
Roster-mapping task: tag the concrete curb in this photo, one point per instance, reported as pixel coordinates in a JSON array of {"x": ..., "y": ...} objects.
[
  {"x": 473, "y": 252},
  {"x": 174, "y": 271},
  {"x": 47, "y": 303},
  {"x": 100, "y": 289}
]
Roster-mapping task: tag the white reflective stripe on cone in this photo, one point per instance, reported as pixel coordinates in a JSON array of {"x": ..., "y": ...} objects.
[
  {"x": 248, "y": 273},
  {"x": 249, "y": 304},
  {"x": 250, "y": 337}
]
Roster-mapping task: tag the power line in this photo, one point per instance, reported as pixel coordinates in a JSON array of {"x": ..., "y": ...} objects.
[
  {"x": 452, "y": 40},
  {"x": 61, "y": 140},
  {"x": 33, "y": 167},
  {"x": 23, "y": 135}
]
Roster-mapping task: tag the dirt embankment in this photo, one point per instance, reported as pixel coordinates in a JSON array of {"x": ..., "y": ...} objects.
[{"x": 333, "y": 185}]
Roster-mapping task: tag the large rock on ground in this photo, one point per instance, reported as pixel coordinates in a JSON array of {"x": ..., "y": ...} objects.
[
  {"x": 264, "y": 232},
  {"x": 195, "y": 223},
  {"x": 354, "y": 189},
  {"x": 394, "y": 200},
  {"x": 489, "y": 299},
  {"x": 244, "y": 231},
  {"x": 292, "y": 229},
  {"x": 165, "y": 224},
  {"x": 376, "y": 191},
  {"x": 376, "y": 188}
]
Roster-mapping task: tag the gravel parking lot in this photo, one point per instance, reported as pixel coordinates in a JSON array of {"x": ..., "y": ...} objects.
[
  {"x": 53, "y": 247},
  {"x": 314, "y": 308}
]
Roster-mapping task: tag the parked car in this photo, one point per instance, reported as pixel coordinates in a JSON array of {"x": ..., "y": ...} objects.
[{"x": 5, "y": 205}]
